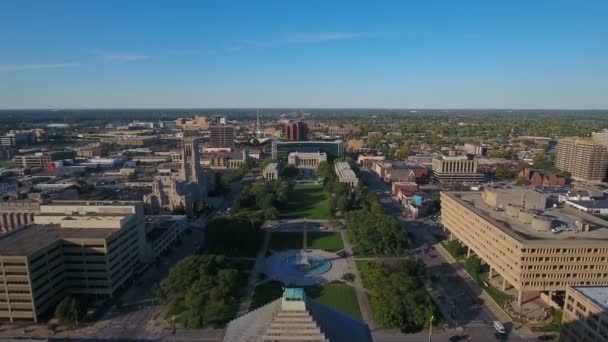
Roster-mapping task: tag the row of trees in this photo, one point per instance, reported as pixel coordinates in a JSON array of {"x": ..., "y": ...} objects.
[
  {"x": 397, "y": 295},
  {"x": 237, "y": 234},
  {"x": 205, "y": 287},
  {"x": 266, "y": 197},
  {"x": 375, "y": 233}
]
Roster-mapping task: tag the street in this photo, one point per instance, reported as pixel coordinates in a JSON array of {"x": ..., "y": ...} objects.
[{"x": 453, "y": 295}]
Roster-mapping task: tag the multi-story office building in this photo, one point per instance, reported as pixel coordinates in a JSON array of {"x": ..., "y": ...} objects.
[
  {"x": 73, "y": 248},
  {"x": 585, "y": 315},
  {"x": 306, "y": 160},
  {"x": 281, "y": 149},
  {"x": 584, "y": 159},
  {"x": 222, "y": 136},
  {"x": 533, "y": 249},
  {"x": 458, "y": 169},
  {"x": 346, "y": 174},
  {"x": 42, "y": 159},
  {"x": 24, "y": 137},
  {"x": 295, "y": 131}
]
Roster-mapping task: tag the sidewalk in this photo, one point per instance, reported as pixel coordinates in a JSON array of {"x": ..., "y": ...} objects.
[{"x": 364, "y": 306}]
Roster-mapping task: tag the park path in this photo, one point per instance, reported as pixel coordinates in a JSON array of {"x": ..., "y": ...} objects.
[
  {"x": 254, "y": 276},
  {"x": 360, "y": 291}
]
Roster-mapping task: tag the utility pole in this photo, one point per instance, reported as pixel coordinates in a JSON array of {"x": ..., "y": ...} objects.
[{"x": 430, "y": 327}]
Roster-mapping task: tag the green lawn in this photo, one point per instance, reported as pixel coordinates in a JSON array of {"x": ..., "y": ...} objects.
[
  {"x": 340, "y": 297},
  {"x": 307, "y": 201},
  {"x": 327, "y": 241}
]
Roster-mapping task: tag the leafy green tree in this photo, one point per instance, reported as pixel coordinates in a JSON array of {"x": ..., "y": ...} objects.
[
  {"x": 289, "y": 171},
  {"x": 200, "y": 207},
  {"x": 233, "y": 235},
  {"x": 207, "y": 286},
  {"x": 502, "y": 173},
  {"x": 265, "y": 162},
  {"x": 397, "y": 295},
  {"x": 404, "y": 151},
  {"x": 68, "y": 310},
  {"x": 376, "y": 234},
  {"x": 179, "y": 210}
]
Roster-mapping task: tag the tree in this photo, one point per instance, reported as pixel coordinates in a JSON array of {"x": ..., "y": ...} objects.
[
  {"x": 179, "y": 210},
  {"x": 207, "y": 286},
  {"x": 199, "y": 208},
  {"x": 68, "y": 310},
  {"x": 376, "y": 233},
  {"x": 289, "y": 171},
  {"x": 404, "y": 151},
  {"x": 397, "y": 295},
  {"x": 265, "y": 162},
  {"x": 502, "y": 173}
]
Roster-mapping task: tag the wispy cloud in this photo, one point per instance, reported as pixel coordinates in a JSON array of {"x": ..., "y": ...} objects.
[
  {"x": 300, "y": 38},
  {"x": 38, "y": 66},
  {"x": 119, "y": 56},
  {"x": 327, "y": 37}
]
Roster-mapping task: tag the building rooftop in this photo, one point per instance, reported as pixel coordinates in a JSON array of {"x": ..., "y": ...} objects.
[
  {"x": 26, "y": 240},
  {"x": 271, "y": 167},
  {"x": 563, "y": 219},
  {"x": 597, "y": 294},
  {"x": 591, "y": 204}
]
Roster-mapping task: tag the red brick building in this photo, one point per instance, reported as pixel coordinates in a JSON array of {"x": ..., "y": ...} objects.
[{"x": 542, "y": 178}]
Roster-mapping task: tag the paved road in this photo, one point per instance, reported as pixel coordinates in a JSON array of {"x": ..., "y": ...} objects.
[{"x": 453, "y": 293}]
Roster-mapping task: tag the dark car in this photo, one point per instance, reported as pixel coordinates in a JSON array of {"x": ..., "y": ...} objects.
[
  {"x": 456, "y": 338},
  {"x": 546, "y": 337}
]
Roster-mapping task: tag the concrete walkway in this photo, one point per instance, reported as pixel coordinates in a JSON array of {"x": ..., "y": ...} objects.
[
  {"x": 360, "y": 291},
  {"x": 254, "y": 276}
]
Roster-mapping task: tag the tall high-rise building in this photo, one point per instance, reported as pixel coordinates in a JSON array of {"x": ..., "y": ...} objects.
[
  {"x": 222, "y": 136},
  {"x": 585, "y": 159},
  {"x": 295, "y": 131}
]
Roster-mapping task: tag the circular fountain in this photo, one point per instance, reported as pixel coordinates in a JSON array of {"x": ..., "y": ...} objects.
[{"x": 303, "y": 266}]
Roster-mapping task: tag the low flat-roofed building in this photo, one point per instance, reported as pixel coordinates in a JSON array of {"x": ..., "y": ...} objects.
[
  {"x": 74, "y": 247},
  {"x": 306, "y": 160},
  {"x": 346, "y": 174},
  {"x": 534, "y": 249},
  {"x": 594, "y": 207},
  {"x": 271, "y": 172},
  {"x": 585, "y": 315}
]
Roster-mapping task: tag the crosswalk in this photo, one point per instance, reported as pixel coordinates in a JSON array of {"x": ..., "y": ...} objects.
[{"x": 477, "y": 324}]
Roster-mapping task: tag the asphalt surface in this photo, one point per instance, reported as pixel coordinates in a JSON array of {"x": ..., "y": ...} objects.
[{"x": 458, "y": 299}]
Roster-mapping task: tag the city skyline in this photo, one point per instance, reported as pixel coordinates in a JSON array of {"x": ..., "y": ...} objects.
[{"x": 315, "y": 55}]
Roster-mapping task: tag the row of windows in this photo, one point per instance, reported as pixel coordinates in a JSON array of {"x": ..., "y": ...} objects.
[
  {"x": 564, "y": 275},
  {"x": 564, "y": 259},
  {"x": 565, "y": 250}
]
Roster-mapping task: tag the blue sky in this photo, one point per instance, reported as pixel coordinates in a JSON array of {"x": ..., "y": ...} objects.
[{"x": 298, "y": 54}]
